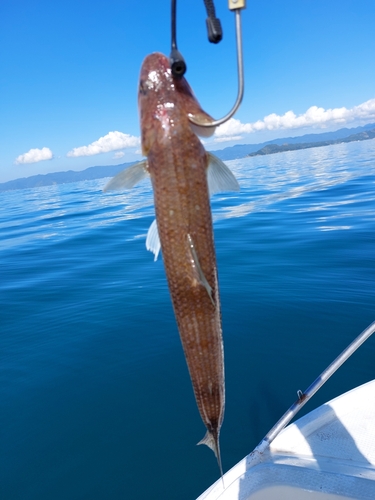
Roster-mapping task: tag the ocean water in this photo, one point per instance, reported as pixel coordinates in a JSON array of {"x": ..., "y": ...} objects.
[{"x": 95, "y": 397}]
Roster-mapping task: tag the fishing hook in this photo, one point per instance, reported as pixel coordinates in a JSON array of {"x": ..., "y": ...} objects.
[
  {"x": 178, "y": 65},
  {"x": 236, "y": 6}
]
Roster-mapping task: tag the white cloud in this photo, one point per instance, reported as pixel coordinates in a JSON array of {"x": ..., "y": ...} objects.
[
  {"x": 227, "y": 138},
  {"x": 34, "y": 155},
  {"x": 110, "y": 142},
  {"x": 313, "y": 117},
  {"x": 119, "y": 154},
  {"x": 231, "y": 128}
]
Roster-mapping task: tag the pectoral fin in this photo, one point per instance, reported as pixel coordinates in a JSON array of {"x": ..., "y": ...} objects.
[
  {"x": 128, "y": 177},
  {"x": 219, "y": 177},
  {"x": 152, "y": 240},
  {"x": 201, "y": 277}
]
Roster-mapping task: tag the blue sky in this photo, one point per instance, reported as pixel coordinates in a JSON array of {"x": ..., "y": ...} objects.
[{"x": 69, "y": 72}]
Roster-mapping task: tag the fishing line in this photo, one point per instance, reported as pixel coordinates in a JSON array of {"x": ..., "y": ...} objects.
[
  {"x": 178, "y": 65},
  {"x": 214, "y": 30},
  {"x": 214, "y": 33}
]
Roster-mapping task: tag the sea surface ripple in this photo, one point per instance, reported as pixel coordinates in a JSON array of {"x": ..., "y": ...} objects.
[{"x": 96, "y": 400}]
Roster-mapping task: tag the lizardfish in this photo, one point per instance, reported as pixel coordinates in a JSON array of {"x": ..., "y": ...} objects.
[{"x": 183, "y": 175}]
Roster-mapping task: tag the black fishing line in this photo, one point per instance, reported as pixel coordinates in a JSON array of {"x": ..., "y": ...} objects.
[
  {"x": 214, "y": 31},
  {"x": 178, "y": 65}
]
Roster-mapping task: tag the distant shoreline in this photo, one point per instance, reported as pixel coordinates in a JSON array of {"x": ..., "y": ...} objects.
[
  {"x": 271, "y": 149},
  {"x": 362, "y": 133}
]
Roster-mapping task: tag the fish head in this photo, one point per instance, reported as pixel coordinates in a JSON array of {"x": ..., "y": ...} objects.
[
  {"x": 166, "y": 103},
  {"x": 155, "y": 99}
]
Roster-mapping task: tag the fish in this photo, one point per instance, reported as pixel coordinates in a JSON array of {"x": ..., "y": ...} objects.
[{"x": 183, "y": 176}]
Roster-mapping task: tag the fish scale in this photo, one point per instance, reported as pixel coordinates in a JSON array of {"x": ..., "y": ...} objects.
[{"x": 198, "y": 320}]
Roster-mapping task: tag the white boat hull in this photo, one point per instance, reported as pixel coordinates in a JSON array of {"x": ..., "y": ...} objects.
[{"x": 329, "y": 454}]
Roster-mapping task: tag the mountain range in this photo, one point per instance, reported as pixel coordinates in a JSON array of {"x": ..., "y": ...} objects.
[
  {"x": 63, "y": 177},
  {"x": 242, "y": 150},
  {"x": 276, "y": 148},
  {"x": 229, "y": 153}
]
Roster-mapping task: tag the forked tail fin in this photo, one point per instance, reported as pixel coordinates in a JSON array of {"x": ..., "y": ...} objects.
[{"x": 212, "y": 441}]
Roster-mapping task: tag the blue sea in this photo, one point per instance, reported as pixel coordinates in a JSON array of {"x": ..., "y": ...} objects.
[{"x": 95, "y": 396}]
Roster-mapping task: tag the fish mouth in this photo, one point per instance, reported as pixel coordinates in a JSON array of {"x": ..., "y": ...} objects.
[
  {"x": 157, "y": 59},
  {"x": 155, "y": 63}
]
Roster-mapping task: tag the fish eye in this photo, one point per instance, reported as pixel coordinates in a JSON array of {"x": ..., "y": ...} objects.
[{"x": 142, "y": 88}]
